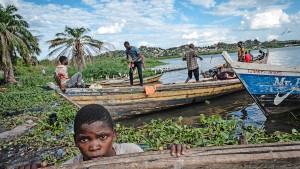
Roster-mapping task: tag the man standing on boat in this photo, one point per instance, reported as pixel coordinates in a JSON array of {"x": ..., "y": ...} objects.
[
  {"x": 241, "y": 52},
  {"x": 136, "y": 62},
  {"x": 192, "y": 65}
]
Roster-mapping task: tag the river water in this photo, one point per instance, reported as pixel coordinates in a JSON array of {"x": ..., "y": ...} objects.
[{"x": 240, "y": 104}]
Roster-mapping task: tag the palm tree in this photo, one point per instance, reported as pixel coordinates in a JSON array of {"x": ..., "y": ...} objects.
[
  {"x": 15, "y": 40},
  {"x": 77, "y": 46}
]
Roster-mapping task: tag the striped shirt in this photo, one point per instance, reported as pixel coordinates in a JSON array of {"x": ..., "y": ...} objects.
[
  {"x": 62, "y": 72},
  {"x": 191, "y": 59}
]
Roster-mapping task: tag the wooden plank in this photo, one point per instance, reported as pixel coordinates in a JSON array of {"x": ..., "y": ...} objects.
[
  {"x": 17, "y": 131},
  {"x": 275, "y": 155}
]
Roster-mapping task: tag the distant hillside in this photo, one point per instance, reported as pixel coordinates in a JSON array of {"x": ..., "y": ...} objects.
[
  {"x": 159, "y": 52},
  {"x": 216, "y": 48}
]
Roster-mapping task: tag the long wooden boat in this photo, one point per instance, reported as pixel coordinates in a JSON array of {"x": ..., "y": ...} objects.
[
  {"x": 173, "y": 69},
  {"x": 275, "y": 88},
  {"x": 271, "y": 155},
  {"x": 126, "y": 82},
  {"x": 126, "y": 101}
]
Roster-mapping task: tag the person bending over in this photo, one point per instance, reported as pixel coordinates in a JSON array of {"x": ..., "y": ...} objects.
[{"x": 136, "y": 62}]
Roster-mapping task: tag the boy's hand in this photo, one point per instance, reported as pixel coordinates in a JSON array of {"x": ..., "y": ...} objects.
[
  {"x": 32, "y": 166},
  {"x": 178, "y": 149}
]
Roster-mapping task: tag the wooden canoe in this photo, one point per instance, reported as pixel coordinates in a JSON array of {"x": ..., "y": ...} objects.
[
  {"x": 126, "y": 82},
  {"x": 275, "y": 88},
  {"x": 173, "y": 69},
  {"x": 272, "y": 155},
  {"x": 126, "y": 101}
]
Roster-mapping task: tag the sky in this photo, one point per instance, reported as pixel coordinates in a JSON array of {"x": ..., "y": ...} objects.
[{"x": 163, "y": 23}]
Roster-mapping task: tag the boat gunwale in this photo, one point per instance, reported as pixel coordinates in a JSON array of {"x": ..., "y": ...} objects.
[
  {"x": 120, "y": 81},
  {"x": 257, "y": 66},
  {"x": 138, "y": 89}
]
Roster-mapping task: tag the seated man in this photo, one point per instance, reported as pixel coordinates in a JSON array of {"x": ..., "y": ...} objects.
[
  {"x": 262, "y": 54},
  {"x": 247, "y": 57},
  {"x": 225, "y": 75},
  {"x": 61, "y": 76}
]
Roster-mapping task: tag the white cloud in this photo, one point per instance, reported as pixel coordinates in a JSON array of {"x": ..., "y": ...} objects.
[
  {"x": 9, "y": 2},
  {"x": 296, "y": 18},
  {"x": 272, "y": 37},
  {"x": 238, "y": 7},
  {"x": 192, "y": 35},
  {"x": 204, "y": 3},
  {"x": 116, "y": 28},
  {"x": 144, "y": 43},
  {"x": 265, "y": 18},
  {"x": 89, "y": 2},
  {"x": 208, "y": 36}
]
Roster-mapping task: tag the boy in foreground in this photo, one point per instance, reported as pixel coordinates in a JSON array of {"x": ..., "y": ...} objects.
[{"x": 94, "y": 135}]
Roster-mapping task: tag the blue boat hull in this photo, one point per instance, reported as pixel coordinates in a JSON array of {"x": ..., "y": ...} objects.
[{"x": 275, "y": 94}]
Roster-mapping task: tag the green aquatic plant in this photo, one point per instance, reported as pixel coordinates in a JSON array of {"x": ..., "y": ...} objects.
[{"x": 54, "y": 143}]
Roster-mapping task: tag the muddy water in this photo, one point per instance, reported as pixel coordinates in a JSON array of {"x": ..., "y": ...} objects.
[{"x": 240, "y": 105}]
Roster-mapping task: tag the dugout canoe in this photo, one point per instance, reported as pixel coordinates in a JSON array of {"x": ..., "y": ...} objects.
[
  {"x": 275, "y": 88},
  {"x": 126, "y": 101},
  {"x": 271, "y": 155},
  {"x": 126, "y": 81}
]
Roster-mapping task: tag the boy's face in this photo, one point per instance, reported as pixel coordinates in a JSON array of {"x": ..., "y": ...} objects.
[
  {"x": 95, "y": 140},
  {"x": 127, "y": 46}
]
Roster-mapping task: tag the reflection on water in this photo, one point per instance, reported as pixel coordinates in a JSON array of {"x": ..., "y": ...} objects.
[
  {"x": 236, "y": 104},
  {"x": 240, "y": 105}
]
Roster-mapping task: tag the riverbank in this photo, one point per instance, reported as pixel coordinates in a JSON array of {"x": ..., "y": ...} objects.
[
  {"x": 31, "y": 99},
  {"x": 54, "y": 143}
]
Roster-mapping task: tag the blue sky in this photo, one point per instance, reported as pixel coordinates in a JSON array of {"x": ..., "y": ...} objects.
[{"x": 163, "y": 23}]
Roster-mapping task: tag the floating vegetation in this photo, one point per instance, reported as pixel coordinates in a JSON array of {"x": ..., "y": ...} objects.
[{"x": 52, "y": 139}]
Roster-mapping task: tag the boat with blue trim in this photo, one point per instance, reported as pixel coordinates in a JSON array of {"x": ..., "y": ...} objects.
[{"x": 275, "y": 88}]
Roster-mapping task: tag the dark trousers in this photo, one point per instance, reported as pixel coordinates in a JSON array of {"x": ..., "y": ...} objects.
[
  {"x": 139, "y": 66},
  {"x": 196, "y": 74}
]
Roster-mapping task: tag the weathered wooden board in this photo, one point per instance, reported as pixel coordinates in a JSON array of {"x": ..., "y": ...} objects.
[
  {"x": 17, "y": 131},
  {"x": 275, "y": 155}
]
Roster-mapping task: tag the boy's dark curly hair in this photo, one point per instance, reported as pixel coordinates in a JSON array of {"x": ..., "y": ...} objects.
[{"x": 90, "y": 114}]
